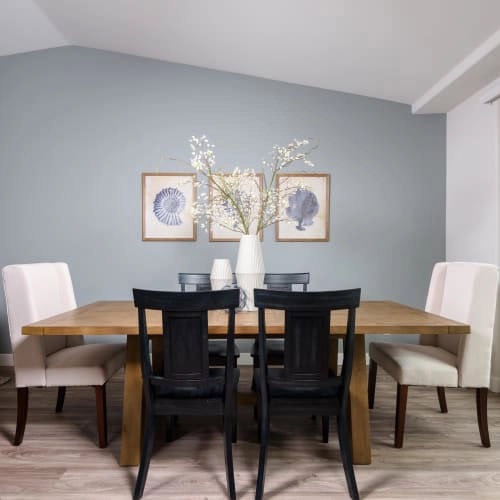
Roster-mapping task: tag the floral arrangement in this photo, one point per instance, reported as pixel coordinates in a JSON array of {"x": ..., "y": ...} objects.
[{"x": 244, "y": 201}]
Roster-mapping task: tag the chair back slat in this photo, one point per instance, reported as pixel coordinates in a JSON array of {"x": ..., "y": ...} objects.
[
  {"x": 200, "y": 281},
  {"x": 185, "y": 345},
  {"x": 307, "y": 345},
  {"x": 285, "y": 281}
]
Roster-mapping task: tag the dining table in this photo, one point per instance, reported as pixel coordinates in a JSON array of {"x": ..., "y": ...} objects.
[{"x": 120, "y": 318}]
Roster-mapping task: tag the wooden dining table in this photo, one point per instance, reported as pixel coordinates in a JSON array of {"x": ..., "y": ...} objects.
[{"x": 120, "y": 318}]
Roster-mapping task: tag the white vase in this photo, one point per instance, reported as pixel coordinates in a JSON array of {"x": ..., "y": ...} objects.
[
  {"x": 221, "y": 274},
  {"x": 250, "y": 268}
]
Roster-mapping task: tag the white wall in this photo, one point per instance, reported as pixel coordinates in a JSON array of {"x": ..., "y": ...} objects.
[
  {"x": 472, "y": 182},
  {"x": 472, "y": 192}
]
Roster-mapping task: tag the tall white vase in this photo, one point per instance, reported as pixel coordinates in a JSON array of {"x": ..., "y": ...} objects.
[{"x": 250, "y": 268}]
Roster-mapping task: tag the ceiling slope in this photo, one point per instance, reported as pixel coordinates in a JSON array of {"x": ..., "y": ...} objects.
[
  {"x": 388, "y": 49},
  {"x": 25, "y": 27}
]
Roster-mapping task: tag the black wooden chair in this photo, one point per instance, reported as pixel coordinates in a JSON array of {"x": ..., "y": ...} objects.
[
  {"x": 216, "y": 348},
  {"x": 284, "y": 282},
  {"x": 304, "y": 385},
  {"x": 187, "y": 386}
]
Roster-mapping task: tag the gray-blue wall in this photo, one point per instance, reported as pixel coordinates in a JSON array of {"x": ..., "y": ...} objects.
[{"x": 78, "y": 126}]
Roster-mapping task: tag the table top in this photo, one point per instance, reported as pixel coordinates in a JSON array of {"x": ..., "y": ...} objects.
[{"x": 120, "y": 318}]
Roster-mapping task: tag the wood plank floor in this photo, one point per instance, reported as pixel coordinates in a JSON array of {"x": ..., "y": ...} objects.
[{"x": 442, "y": 456}]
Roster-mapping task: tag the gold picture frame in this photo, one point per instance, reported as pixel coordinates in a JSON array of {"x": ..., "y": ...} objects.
[
  {"x": 307, "y": 208},
  {"x": 166, "y": 207},
  {"x": 218, "y": 233}
]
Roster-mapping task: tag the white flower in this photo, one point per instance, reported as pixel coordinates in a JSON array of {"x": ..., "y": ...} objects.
[{"x": 239, "y": 201}]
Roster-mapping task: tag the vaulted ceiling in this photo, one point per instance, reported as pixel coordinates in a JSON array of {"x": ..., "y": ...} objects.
[{"x": 428, "y": 53}]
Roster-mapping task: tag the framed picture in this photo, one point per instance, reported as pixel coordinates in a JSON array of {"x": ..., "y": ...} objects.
[
  {"x": 305, "y": 201},
  {"x": 166, "y": 207},
  {"x": 219, "y": 233}
]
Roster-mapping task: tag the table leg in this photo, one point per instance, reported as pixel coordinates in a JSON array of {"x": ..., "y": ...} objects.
[
  {"x": 360, "y": 418},
  {"x": 132, "y": 404}
]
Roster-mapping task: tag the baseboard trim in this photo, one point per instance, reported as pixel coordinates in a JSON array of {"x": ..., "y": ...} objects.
[{"x": 6, "y": 360}]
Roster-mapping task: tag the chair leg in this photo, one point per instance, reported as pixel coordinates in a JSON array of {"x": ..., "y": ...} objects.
[
  {"x": 264, "y": 438},
  {"x": 234, "y": 435},
  {"x": 102, "y": 420},
  {"x": 22, "y": 414},
  {"x": 146, "y": 452},
  {"x": 255, "y": 366},
  {"x": 228, "y": 453},
  {"x": 372, "y": 382},
  {"x": 169, "y": 428},
  {"x": 325, "y": 427},
  {"x": 402, "y": 396},
  {"x": 61, "y": 393},
  {"x": 442, "y": 399},
  {"x": 345, "y": 452},
  {"x": 482, "y": 415}
]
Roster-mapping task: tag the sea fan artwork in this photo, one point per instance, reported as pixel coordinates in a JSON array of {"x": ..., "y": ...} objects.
[
  {"x": 302, "y": 207},
  {"x": 168, "y": 205}
]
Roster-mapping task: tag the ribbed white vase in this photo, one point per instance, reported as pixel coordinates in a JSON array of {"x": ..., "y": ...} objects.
[{"x": 250, "y": 268}]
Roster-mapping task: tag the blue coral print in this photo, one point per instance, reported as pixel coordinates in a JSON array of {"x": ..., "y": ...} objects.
[{"x": 302, "y": 207}]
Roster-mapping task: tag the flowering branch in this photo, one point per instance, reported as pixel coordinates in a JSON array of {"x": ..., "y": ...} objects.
[{"x": 244, "y": 201}]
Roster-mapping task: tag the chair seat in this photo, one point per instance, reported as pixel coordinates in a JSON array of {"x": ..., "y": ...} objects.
[
  {"x": 279, "y": 386},
  {"x": 88, "y": 364},
  {"x": 274, "y": 347},
  {"x": 412, "y": 364},
  {"x": 212, "y": 387},
  {"x": 218, "y": 348}
]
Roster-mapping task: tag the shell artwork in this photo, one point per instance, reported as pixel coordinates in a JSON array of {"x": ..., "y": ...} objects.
[
  {"x": 168, "y": 204},
  {"x": 302, "y": 207}
]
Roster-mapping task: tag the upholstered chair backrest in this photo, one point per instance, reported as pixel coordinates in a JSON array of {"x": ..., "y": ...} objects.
[
  {"x": 466, "y": 292},
  {"x": 34, "y": 292}
]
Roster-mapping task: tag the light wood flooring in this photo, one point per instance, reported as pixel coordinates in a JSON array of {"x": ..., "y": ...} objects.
[{"x": 442, "y": 456}]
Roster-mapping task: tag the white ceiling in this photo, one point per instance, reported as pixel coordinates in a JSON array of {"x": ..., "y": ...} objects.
[{"x": 398, "y": 50}]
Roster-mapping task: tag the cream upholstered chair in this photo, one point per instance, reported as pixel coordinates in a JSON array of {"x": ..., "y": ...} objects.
[
  {"x": 37, "y": 291},
  {"x": 465, "y": 292}
]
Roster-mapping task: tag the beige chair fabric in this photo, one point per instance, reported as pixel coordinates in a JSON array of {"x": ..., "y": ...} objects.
[
  {"x": 34, "y": 292},
  {"x": 465, "y": 292}
]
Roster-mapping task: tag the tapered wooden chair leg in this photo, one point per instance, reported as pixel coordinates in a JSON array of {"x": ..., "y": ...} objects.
[
  {"x": 61, "y": 393},
  {"x": 325, "y": 428},
  {"x": 228, "y": 455},
  {"x": 234, "y": 430},
  {"x": 345, "y": 452},
  {"x": 255, "y": 366},
  {"x": 102, "y": 420},
  {"x": 402, "y": 396},
  {"x": 482, "y": 415},
  {"x": 442, "y": 399},
  {"x": 264, "y": 438},
  {"x": 22, "y": 414},
  {"x": 146, "y": 452},
  {"x": 372, "y": 381}
]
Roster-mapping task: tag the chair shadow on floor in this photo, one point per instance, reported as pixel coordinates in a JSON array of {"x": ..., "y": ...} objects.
[{"x": 206, "y": 437}]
